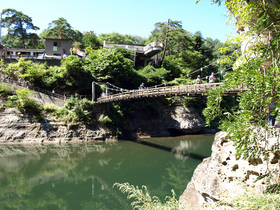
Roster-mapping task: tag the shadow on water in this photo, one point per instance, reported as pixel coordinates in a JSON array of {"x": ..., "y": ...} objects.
[{"x": 176, "y": 151}]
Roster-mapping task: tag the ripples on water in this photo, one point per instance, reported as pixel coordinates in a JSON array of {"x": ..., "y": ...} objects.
[{"x": 81, "y": 176}]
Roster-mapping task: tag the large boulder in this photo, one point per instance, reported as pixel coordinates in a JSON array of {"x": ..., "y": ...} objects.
[{"x": 224, "y": 174}]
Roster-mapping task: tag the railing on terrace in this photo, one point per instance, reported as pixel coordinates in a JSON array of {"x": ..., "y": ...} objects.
[
  {"x": 157, "y": 45},
  {"x": 136, "y": 48},
  {"x": 139, "y": 49}
]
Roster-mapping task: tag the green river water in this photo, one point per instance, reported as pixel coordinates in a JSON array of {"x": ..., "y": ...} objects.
[{"x": 81, "y": 176}]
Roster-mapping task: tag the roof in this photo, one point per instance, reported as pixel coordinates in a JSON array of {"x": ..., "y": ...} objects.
[
  {"x": 25, "y": 50},
  {"x": 2, "y": 47},
  {"x": 61, "y": 39}
]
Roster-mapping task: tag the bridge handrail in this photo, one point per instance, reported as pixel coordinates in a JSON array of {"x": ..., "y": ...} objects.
[{"x": 167, "y": 90}]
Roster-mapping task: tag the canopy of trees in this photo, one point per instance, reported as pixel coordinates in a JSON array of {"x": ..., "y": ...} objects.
[{"x": 19, "y": 25}]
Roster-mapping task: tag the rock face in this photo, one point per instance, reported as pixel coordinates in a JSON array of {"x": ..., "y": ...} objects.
[
  {"x": 17, "y": 128},
  {"x": 168, "y": 121},
  {"x": 223, "y": 175}
]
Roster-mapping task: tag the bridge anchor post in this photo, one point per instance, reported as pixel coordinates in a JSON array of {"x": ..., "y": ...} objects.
[{"x": 93, "y": 91}]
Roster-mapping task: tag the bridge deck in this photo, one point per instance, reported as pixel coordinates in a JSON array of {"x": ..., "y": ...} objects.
[{"x": 189, "y": 90}]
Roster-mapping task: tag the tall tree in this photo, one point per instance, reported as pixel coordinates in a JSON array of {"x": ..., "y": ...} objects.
[
  {"x": 59, "y": 29},
  {"x": 18, "y": 25},
  {"x": 166, "y": 33}
]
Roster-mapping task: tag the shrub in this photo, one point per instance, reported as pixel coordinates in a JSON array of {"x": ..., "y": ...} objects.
[
  {"x": 49, "y": 108},
  {"x": 5, "y": 90},
  {"x": 104, "y": 119},
  {"x": 76, "y": 111},
  {"x": 143, "y": 199}
]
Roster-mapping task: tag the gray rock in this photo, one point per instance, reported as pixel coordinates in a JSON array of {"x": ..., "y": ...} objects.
[
  {"x": 224, "y": 175},
  {"x": 17, "y": 128},
  {"x": 168, "y": 121}
]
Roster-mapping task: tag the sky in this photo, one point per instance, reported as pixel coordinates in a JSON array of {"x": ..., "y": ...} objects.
[{"x": 131, "y": 17}]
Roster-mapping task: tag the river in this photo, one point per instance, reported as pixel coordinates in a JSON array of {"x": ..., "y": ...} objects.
[{"x": 81, "y": 176}]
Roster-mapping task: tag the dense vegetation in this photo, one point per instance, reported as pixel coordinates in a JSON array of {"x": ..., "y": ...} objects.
[
  {"x": 183, "y": 54},
  {"x": 257, "y": 68}
]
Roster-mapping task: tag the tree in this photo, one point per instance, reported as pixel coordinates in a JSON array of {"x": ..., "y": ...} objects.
[
  {"x": 111, "y": 65},
  {"x": 18, "y": 25},
  {"x": 117, "y": 38},
  {"x": 258, "y": 69},
  {"x": 153, "y": 76},
  {"x": 91, "y": 40},
  {"x": 164, "y": 32},
  {"x": 59, "y": 29}
]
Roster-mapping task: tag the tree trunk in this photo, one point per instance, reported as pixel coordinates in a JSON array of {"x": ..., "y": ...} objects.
[{"x": 165, "y": 44}]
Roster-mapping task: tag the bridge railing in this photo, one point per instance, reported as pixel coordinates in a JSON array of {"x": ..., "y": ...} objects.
[{"x": 160, "y": 91}]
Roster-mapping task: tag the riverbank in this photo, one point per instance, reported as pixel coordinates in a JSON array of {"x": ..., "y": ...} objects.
[
  {"x": 17, "y": 128},
  {"x": 170, "y": 120}
]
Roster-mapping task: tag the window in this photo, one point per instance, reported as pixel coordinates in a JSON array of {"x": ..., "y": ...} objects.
[{"x": 56, "y": 45}]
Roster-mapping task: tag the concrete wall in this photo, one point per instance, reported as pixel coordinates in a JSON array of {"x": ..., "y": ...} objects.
[
  {"x": 63, "y": 47},
  {"x": 42, "y": 98}
]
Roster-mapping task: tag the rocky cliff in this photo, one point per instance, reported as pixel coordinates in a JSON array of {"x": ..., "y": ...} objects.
[
  {"x": 169, "y": 120},
  {"x": 18, "y": 128},
  {"x": 223, "y": 174}
]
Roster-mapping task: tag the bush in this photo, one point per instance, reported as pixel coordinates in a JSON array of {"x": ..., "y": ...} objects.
[
  {"x": 5, "y": 90},
  {"x": 76, "y": 111},
  {"x": 49, "y": 108},
  {"x": 104, "y": 119},
  {"x": 143, "y": 199},
  {"x": 154, "y": 76}
]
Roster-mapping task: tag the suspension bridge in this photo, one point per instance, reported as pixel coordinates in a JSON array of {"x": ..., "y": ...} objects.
[{"x": 168, "y": 91}]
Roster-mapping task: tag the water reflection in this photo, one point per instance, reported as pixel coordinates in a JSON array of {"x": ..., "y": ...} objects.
[{"x": 81, "y": 176}]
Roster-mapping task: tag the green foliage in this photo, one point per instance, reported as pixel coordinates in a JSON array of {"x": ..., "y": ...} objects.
[
  {"x": 77, "y": 111},
  {"x": 154, "y": 75},
  {"x": 249, "y": 201},
  {"x": 117, "y": 114},
  {"x": 111, "y": 65},
  {"x": 104, "y": 119},
  {"x": 91, "y": 40},
  {"x": 5, "y": 91},
  {"x": 257, "y": 72},
  {"x": 143, "y": 199},
  {"x": 49, "y": 108},
  {"x": 18, "y": 25},
  {"x": 25, "y": 104},
  {"x": 74, "y": 77},
  {"x": 174, "y": 66},
  {"x": 117, "y": 38},
  {"x": 59, "y": 29}
]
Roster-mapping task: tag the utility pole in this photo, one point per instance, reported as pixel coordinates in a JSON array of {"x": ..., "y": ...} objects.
[{"x": 93, "y": 91}]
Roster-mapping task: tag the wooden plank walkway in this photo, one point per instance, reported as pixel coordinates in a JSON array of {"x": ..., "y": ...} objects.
[{"x": 167, "y": 91}]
